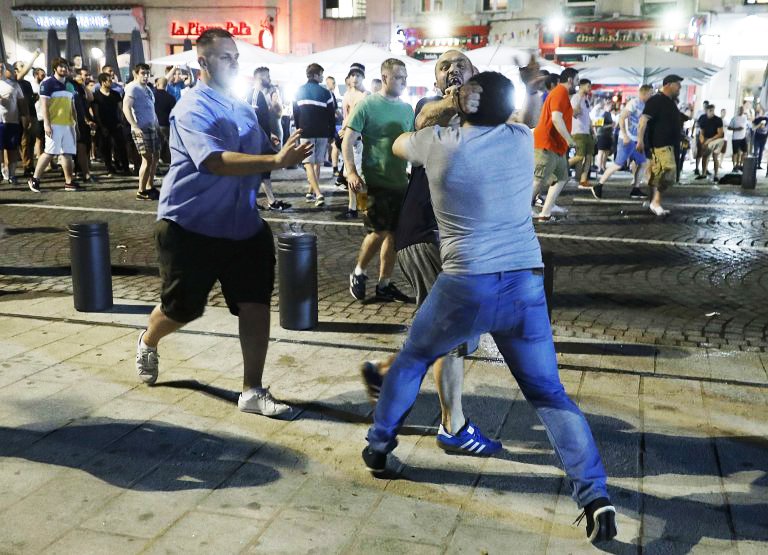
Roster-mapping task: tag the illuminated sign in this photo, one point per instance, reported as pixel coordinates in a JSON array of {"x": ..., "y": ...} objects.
[
  {"x": 84, "y": 21},
  {"x": 195, "y": 28}
]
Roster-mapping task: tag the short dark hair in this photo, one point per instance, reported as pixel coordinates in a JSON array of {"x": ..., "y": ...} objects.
[
  {"x": 314, "y": 69},
  {"x": 568, "y": 73},
  {"x": 551, "y": 81},
  {"x": 584, "y": 82},
  {"x": 710, "y": 107},
  {"x": 104, "y": 78},
  {"x": 141, "y": 66},
  {"x": 207, "y": 37},
  {"x": 261, "y": 69},
  {"x": 497, "y": 101},
  {"x": 59, "y": 62}
]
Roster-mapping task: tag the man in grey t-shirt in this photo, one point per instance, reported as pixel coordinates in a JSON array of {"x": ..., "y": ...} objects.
[
  {"x": 139, "y": 110},
  {"x": 481, "y": 179}
]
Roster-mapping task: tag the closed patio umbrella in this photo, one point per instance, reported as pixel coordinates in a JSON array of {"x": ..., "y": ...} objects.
[
  {"x": 136, "y": 53},
  {"x": 3, "y": 55},
  {"x": 110, "y": 52},
  {"x": 74, "y": 46},
  {"x": 52, "y": 49}
]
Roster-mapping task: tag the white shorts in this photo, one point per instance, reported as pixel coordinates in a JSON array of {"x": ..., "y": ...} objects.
[
  {"x": 63, "y": 140},
  {"x": 357, "y": 151},
  {"x": 318, "y": 154}
]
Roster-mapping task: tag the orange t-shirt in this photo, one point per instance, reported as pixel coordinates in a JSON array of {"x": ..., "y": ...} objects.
[{"x": 545, "y": 135}]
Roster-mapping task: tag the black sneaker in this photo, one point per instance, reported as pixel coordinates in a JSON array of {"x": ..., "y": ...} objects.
[
  {"x": 34, "y": 184},
  {"x": 601, "y": 520},
  {"x": 279, "y": 205},
  {"x": 696, "y": 171},
  {"x": 357, "y": 286},
  {"x": 392, "y": 293},
  {"x": 637, "y": 193},
  {"x": 700, "y": 176},
  {"x": 372, "y": 379},
  {"x": 597, "y": 191},
  {"x": 341, "y": 181},
  {"x": 72, "y": 187},
  {"x": 374, "y": 461}
]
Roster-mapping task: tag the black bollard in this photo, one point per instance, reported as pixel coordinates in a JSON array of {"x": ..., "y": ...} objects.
[
  {"x": 297, "y": 266},
  {"x": 749, "y": 174},
  {"x": 549, "y": 279},
  {"x": 91, "y": 266}
]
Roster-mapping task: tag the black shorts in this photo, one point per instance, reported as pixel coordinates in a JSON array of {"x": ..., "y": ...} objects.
[
  {"x": 383, "y": 211},
  {"x": 739, "y": 145},
  {"x": 190, "y": 265}
]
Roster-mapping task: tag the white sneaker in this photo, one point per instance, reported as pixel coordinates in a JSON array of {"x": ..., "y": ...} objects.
[
  {"x": 320, "y": 201},
  {"x": 558, "y": 210},
  {"x": 262, "y": 403},
  {"x": 147, "y": 361},
  {"x": 657, "y": 210}
]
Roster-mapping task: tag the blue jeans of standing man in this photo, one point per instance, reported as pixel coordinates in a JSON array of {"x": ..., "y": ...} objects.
[{"x": 511, "y": 306}]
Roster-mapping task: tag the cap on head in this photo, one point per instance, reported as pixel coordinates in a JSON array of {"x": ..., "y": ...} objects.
[
  {"x": 357, "y": 68},
  {"x": 671, "y": 79}
]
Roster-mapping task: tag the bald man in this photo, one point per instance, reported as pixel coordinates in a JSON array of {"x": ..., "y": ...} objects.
[{"x": 418, "y": 255}]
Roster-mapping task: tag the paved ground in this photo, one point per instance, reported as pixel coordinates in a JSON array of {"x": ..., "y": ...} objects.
[
  {"x": 694, "y": 278},
  {"x": 661, "y": 333}
]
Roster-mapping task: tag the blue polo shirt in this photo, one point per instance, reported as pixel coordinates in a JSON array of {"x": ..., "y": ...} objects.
[{"x": 202, "y": 123}]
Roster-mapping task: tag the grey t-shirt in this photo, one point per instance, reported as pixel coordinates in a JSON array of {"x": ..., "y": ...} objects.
[
  {"x": 143, "y": 105},
  {"x": 481, "y": 181}
]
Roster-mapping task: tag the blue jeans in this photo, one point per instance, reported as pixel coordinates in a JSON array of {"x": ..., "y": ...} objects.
[{"x": 511, "y": 306}]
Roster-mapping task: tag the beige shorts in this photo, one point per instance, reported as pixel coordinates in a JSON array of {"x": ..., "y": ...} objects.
[
  {"x": 548, "y": 165},
  {"x": 663, "y": 168},
  {"x": 585, "y": 144}
]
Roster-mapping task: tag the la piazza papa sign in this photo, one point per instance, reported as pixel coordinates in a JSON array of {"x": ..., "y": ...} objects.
[{"x": 194, "y": 28}]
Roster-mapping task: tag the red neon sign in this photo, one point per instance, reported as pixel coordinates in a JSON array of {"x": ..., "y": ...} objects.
[{"x": 195, "y": 28}]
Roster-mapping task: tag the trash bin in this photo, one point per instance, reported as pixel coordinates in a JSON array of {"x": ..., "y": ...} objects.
[
  {"x": 91, "y": 266},
  {"x": 749, "y": 175},
  {"x": 549, "y": 279},
  {"x": 297, "y": 268}
]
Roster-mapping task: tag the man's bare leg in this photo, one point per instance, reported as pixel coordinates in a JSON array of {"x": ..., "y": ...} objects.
[
  {"x": 254, "y": 341},
  {"x": 368, "y": 249},
  {"x": 387, "y": 257},
  {"x": 144, "y": 172},
  {"x": 68, "y": 166},
  {"x": 314, "y": 186},
  {"x": 552, "y": 194},
  {"x": 159, "y": 326},
  {"x": 449, "y": 378}
]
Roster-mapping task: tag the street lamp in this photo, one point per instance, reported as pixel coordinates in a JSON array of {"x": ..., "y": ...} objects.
[{"x": 556, "y": 23}]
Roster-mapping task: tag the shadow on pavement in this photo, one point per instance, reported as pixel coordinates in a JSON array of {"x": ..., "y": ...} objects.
[
  {"x": 151, "y": 456},
  {"x": 131, "y": 309},
  {"x": 42, "y": 229},
  {"x": 360, "y": 327}
]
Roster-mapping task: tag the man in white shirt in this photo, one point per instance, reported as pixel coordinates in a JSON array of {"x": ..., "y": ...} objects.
[
  {"x": 739, "y": 124},
  {"x": 582, "y": 134},
  {"x": 13, "y": 118}
]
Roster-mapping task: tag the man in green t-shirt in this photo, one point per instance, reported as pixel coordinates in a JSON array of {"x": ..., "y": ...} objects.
[{"x": 379, "y": 119}]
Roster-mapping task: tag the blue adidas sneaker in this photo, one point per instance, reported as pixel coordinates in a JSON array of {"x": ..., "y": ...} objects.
[{"x": 468, "y": 441}]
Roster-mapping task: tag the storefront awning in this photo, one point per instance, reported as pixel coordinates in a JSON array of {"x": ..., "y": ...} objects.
[{"x": 91, "y": 19}]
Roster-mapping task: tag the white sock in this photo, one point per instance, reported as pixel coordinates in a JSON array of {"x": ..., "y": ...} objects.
[
  {"x": 359, "y": 271},
  {"x": 552, "y": 194},
  {"x": 252, "y": 392},
  {"x": 267, "y": 184}
]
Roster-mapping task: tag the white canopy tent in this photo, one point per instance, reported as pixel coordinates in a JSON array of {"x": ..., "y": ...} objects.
[
  {"x": 336, "y": 62},
  {"x": 504, "y": 59},
  {"x": 251, "y": 56},
  {"x": 644, "y": 64}
]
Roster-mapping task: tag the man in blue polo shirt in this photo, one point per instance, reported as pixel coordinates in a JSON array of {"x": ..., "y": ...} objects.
[{"x": 208, "y": 226}]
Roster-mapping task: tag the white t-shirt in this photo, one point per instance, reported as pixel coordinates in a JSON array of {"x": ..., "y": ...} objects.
[
  {"x": 582, "y": 124},
  {"x": 739, "y": 121},
  {"x": 10, "y": 97}
]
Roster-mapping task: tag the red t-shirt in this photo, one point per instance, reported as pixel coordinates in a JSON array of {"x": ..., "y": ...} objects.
[{"x": 545, "y": 135}]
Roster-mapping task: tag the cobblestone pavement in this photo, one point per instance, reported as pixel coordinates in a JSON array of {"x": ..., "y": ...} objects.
[{"x": 695, "y": 278}]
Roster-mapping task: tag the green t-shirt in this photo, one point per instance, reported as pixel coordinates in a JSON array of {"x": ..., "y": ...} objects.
[{"x": 380, "y": 121}]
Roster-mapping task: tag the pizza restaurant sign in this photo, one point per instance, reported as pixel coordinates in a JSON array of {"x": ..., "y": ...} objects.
[{"x": 195, "y": 28}]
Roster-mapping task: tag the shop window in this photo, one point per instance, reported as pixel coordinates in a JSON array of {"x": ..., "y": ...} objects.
[
  {"x": 431, "y": 5},
  {"x": 580, "y": 8},
  {"x": 495, "y": 5},
  {"x": 344, "y": 9}
]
